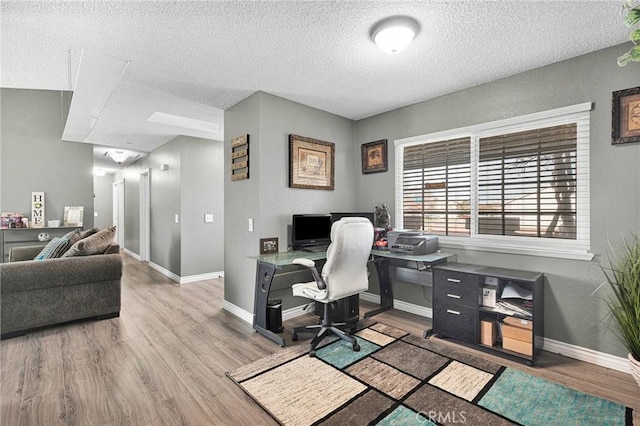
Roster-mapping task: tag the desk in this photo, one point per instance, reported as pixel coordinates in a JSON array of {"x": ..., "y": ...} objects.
[{"x": 268, "y": 266}]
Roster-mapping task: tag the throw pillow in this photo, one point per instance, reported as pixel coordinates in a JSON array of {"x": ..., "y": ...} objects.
[
  {"x": 54, "y": 248},
  {"x": 88, "y": 233},
  {"x": 73, "y": 236},
  {"x": 94, "y": 244}
]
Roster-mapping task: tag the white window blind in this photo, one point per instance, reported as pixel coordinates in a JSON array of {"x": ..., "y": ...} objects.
[
  {"x": 519, "y": 185},
  {"x": 437, "y": 187},
  {"x": 527, "y": 183}
]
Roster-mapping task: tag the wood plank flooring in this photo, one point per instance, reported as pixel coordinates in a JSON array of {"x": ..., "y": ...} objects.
[{"x": 163, "y": 361}]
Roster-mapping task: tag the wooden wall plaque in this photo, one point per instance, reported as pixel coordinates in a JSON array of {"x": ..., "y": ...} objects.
[{"x": 240, "y": 158}]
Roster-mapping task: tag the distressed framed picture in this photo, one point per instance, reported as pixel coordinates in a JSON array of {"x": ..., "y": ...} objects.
[
  {"x": 625, "y": 121},
  {"x": 311, "y": 163},
  {"x": 268, "y": 245},
  {"x": 374, "y": 157}
]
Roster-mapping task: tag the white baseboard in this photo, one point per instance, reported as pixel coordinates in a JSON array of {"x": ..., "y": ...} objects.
[
  {"x": 238, "y": 311},
  {"x": 565, "y": 349},
  {"x": 587, "y": 355},
  {"x": 400, "y": 305},
  {"x": 165, "y": 272},
  {"x": 136, "y": 256},
  {"x": 188, "y": 278},
  {"x": 201, "y": 277}
]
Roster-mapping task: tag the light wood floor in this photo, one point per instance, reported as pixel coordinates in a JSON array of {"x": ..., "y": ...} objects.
[{"x": 163, "y": 361}]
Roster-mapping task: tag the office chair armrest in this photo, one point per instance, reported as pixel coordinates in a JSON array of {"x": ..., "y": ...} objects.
[{"x": 312, "y": 266}]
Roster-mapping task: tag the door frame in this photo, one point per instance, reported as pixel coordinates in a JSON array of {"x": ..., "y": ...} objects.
[{"x": 145, "y": 215}]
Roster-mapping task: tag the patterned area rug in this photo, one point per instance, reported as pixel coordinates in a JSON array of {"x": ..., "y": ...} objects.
[{"x": 399, "y": 379}]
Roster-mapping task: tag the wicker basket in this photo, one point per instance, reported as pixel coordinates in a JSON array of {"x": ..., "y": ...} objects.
[{"x": 635, "y": 368}]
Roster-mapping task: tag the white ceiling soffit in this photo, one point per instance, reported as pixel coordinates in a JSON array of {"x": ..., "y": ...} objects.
[
  {"x": 207, "y": 127},
  {"x": 98, "y": 75}
]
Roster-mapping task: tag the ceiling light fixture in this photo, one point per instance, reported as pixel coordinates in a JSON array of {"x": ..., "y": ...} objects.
[
  {"x": 118, "y": 156},
  {"x": 393, "y": 35}
]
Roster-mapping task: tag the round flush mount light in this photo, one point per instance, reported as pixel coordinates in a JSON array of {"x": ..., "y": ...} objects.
[{"x": 393, "y": 35}]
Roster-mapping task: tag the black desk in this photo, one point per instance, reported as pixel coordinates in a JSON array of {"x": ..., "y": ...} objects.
[{"x": 269, "y": 264}]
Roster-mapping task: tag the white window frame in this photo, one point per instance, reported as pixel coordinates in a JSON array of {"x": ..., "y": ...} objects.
[{"x": 546, "y": 247}]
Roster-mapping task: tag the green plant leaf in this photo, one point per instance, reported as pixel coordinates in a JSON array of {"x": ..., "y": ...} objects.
[
  {"x": 633, "y": 17},
  {"x": 635, "y": 53},
  {"x": 634, "y": 36}
]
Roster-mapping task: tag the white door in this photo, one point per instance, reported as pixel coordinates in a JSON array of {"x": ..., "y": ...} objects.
[
  {"x": 118, "y": 211},
  {"x": 145, "y": 217}
]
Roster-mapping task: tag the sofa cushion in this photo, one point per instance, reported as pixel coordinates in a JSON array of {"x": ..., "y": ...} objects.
[
  {"x": 54, "y": 248},
  {"x": 94, "y": 244}
]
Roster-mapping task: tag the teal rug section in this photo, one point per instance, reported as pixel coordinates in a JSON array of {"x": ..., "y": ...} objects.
[
  {"x": 534, "y": 401},
  {"x": 402, "y": 416},
  {"x": 340, "y": 353}
]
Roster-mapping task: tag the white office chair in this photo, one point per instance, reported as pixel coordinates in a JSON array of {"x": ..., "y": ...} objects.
[{"x": 344, "y": 274}]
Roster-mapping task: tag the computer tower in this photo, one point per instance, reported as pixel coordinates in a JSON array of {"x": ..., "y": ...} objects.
[{"x": 343, "y": 310}]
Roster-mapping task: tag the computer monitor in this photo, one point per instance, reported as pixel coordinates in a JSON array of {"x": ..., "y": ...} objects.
[
  {"x": 338, "y": 216},
  {"x": 310, "y": 230}
]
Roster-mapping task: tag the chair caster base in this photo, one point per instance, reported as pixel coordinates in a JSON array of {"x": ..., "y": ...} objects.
[
  {"x": 356, "y": 348},
  {"x": 312, "y": 353}
]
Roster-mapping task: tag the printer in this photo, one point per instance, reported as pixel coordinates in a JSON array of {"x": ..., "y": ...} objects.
[{"x": 414, "y": 244}]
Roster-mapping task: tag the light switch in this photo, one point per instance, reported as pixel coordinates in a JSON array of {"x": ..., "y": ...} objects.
[
  {"x": 208, "y": 218},
  {"x": 250, "y": 224},
  {"x": 95, "y": 214},
  {"x": 177, "y": 219}
]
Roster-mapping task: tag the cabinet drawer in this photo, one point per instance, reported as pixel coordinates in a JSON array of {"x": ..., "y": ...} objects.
[
  {"x": 455, "y": 321},
  {"x": 463, "y": 295},
  {"x": 455, "y": 278}
]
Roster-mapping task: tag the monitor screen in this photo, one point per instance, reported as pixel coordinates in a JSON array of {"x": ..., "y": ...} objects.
[
  {"x": 338, "y": 216},
  {"x": 310, "y": 229}
]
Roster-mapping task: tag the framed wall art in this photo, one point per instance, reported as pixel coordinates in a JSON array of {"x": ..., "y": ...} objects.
[
  {"x": 374, "y": 157},
  {"x": 268, "y": 245},
  {"x": 625, "y": 121},
  {"x": 73, "y": 215},
  {"x": 311, "y": 163}
]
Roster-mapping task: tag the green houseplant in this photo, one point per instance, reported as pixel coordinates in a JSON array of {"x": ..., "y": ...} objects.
[
  {"x": 632, "y": 19},
  {"x": 623, "y": 276}
]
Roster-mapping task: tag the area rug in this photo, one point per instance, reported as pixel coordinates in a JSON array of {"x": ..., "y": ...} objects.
[{"x": 399, "y": 379}]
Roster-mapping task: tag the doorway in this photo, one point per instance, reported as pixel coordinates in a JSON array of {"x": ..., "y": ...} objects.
[
  {"x": 145, "y": 216},
  {"x": 118, "y": 211}
]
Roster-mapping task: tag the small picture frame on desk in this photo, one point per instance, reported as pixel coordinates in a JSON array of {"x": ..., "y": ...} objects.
[{"x": 268, "y": 245}]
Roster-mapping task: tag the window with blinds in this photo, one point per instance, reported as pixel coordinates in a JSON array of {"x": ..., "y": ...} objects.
[
  {"x": 436, "y": 193},
  {"x": 519, "y": 185},
  {"x": 527, "y": 183}
]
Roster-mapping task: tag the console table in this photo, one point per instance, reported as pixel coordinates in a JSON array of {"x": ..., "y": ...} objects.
[
  {"x": 12, "y": 237},
  {"x": 269, "y": 265},
  {"x": 460, "y": 313}
]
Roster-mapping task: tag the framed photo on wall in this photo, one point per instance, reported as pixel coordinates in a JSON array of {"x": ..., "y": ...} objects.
[
  {"x": 625, "y": 120},
  {"x": 311, "y": 163},
  {"x": 268, "y": 245},
  {"x": 374, "y": 157}
]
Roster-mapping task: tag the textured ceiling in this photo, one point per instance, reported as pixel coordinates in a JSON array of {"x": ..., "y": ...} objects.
[{"x": 195, "y": 59}]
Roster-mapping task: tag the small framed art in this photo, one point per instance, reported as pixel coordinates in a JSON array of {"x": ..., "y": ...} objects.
[
  {"x": 374, "y": 157},
  {"x": 625, "y": 120},
  {"x": 268, "y": 245}
]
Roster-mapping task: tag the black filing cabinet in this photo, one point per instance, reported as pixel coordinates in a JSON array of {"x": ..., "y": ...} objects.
[{"x": 455, "y": 304}]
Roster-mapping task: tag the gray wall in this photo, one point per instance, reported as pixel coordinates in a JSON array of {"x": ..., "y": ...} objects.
[
  {"x": 202, "y": 191},
  {"x": 103, "y": 200},
  {"x": 572, "y": 314},
  {"x": 190, "y": 187},
  {"x": 34, "y": 158},
  {"x": 266, "y": 196}
]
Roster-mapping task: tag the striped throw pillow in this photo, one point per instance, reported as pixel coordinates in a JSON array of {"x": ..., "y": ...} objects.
[{"x": 55, "y": 248}]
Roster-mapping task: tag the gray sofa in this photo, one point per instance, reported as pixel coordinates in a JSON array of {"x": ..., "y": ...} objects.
[{"x": 39, "y": 293}]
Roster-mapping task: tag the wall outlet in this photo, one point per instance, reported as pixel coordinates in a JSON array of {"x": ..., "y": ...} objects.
[
  {"x": 250, "y": 224},
  {"x": 208, "y": 218}
]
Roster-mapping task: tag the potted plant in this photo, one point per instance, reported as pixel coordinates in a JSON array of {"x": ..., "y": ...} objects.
[
  {"x": 632, "y": 20},
  {"x": 623, "y": 276}
]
